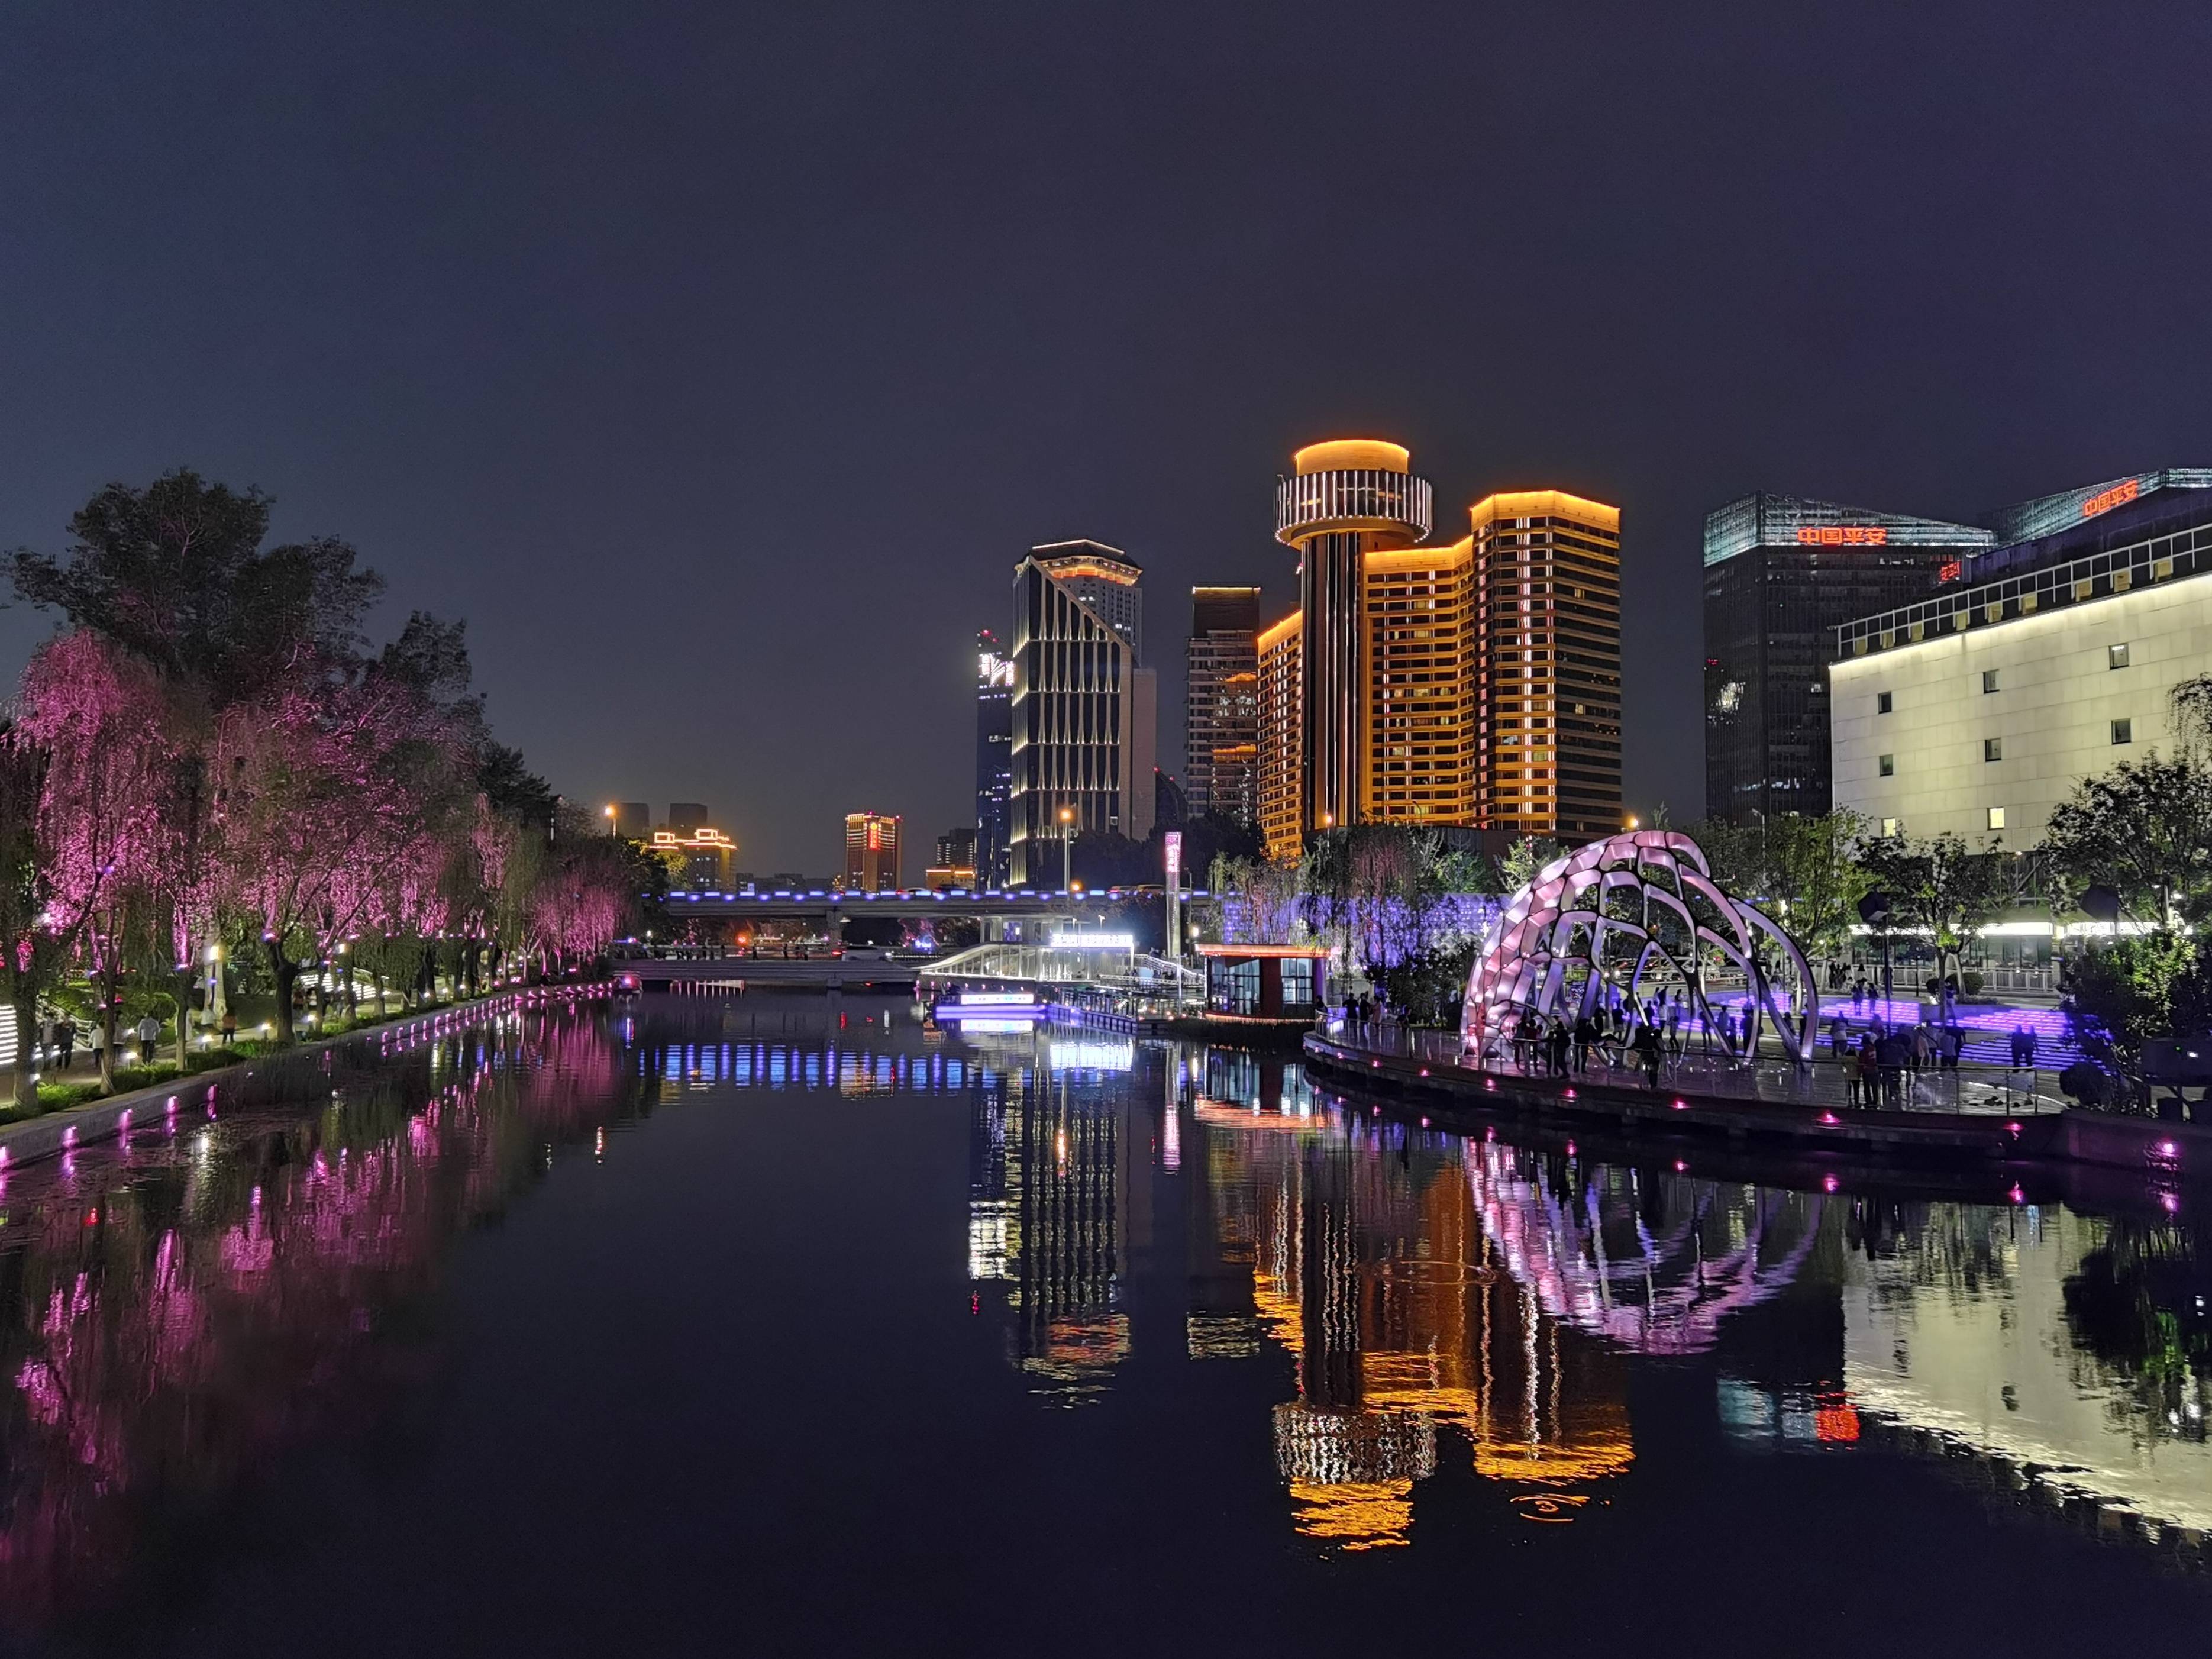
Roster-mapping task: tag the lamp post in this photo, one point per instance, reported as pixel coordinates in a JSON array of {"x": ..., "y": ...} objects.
[
  {"x": 611, "y": 820},
  {"x": 1066, "y": 850}
]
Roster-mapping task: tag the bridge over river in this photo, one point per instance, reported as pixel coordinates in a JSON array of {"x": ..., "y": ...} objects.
[{"x": 906, "y": 904}]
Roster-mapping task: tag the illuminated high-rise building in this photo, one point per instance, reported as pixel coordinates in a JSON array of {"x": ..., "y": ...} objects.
[
  {"x": 1422, "y": 685},
  {"x": 1472, "y": 685},
  {"x": 1346, "y": 499},
  {"x": 1279, "y": 736},
  {"x": 1221, "y": 703},
  {"x": 1781, "y": 575},
  {"x": 1085, "y": 711},
  {"x": 994, "y": 775},
  {"x": 872, "y": 852},
  {"x": 1547, "y": 616}
]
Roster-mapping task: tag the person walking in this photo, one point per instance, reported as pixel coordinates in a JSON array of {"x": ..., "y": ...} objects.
[
  {"x": 2028, "y": 1042},
  {"x": 1647, "y": 1051},
  {"x": 149, "y": 1033},
  {"x": 1866, "y": 1074},
  {"x": 65, "y": 1036}
]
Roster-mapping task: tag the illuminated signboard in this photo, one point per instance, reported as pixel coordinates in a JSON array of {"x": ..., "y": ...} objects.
[
  {"x": 1844, "y": 535},
  {"x": 1950, "y": 571},
  {"x": 1173, "y": 838},
  {"x": 1085, "y": 941},
  {"x": 2116, "y": 496}
]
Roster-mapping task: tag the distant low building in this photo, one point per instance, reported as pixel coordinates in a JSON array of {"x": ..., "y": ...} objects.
[
  {"x": 957, "y": 862},
  {"x": 703, "y": 862}
]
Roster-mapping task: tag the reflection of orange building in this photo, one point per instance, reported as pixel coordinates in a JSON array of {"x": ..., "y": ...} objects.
[{"x": 1377, "y": 1275}]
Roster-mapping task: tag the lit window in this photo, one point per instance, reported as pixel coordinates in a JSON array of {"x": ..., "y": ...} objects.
[
  {"x": 1886, "y": 765},
  {"x": 2123, "y": 730},
  {"x": 2116, "y": 656},
  {"x": 1996, "y": 817},
  {"x": 1992, "y": 749},
  {"x": 1988, "y": 681},
  {"x": 1882, "y": 703},
  {"x": 1893, "y": 826}
]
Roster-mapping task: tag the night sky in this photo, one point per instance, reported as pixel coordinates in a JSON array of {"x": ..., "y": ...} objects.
[{"x": 717, "y": 362}]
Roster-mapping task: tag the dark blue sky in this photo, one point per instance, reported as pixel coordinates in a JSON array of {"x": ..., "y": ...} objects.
[{"x": 716, "y": 362}]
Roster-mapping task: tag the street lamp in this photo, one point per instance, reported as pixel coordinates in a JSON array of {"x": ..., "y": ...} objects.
[
  {"x": 611, "y": 820},
  {"x": 1067, "y": 849}
]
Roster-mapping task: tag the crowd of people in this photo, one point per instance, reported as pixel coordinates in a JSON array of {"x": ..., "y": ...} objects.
[{"x": 1880, "y": 1060}]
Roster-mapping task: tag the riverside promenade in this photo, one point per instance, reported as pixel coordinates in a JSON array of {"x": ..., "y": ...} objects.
[
  {"x": 1974, "y": 1112},
  {"x": 201, "y": 1095}
]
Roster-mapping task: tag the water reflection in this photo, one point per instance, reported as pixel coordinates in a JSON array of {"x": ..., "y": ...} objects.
[
  {"x": 1449, "y": 1300},
  {"x": 1392, "y": 1328},
  {"x": 175, "y": 1310},
  {"x": 1052, "y": 1194}
]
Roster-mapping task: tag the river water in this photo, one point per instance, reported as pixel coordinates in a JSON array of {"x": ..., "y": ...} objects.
[{"x": 774, "y": 1325}]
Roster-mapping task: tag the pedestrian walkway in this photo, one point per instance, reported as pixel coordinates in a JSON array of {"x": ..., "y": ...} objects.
[{"x": 1974, "y": 1089}]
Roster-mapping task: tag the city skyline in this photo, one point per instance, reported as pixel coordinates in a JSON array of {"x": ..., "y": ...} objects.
[{"x": 436, "y": 352}]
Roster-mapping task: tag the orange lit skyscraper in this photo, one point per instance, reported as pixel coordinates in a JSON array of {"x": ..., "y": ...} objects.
[
  {"x": 1422, "y": 682},
  {"x": 1472, "y": 686},
  {"x": 1279, "y": 738},
  {"x": 1346, "y": 499},
  {"x": 1547, "y": 587},
  {"x": 872, "y": 852}
]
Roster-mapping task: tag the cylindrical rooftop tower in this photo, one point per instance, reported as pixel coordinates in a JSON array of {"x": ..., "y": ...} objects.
[{"x": 1346, "y": 498}]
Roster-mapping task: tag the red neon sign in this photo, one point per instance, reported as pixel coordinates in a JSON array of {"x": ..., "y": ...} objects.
[
  {"x": 1949, "y": 571},
  {"x": 2111, "y": 499},
  {"x": 1844, "y": 535}
]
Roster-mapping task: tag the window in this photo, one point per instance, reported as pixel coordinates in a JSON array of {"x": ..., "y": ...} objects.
[
  {"x": 1988, "y": 681},
  {"x": 1882, "y": 703},
  {"x": 1996, "y": 817},
  {"x": 1992, "y": 749},
  {"x": 1886, "y": 765},
  {"x": 2116, "y": 656},
  {"x": 1893, "y": 826},
  {"x": 2123, "y": 730}
]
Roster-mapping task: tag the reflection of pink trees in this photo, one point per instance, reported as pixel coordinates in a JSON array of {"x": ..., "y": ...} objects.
[{"x": 157, "y": 1362}]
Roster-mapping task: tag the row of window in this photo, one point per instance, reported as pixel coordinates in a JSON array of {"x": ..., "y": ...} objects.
[
  {"x": 2116, "y": 656},
  {"x": 2122, "y": 731}
]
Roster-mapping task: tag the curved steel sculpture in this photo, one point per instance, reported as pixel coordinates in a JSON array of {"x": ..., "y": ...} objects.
[{"x": 1620, "y": 919}]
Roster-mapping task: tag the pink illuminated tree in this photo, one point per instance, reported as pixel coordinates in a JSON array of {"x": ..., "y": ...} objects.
[{"x": 103, "y": 721}]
